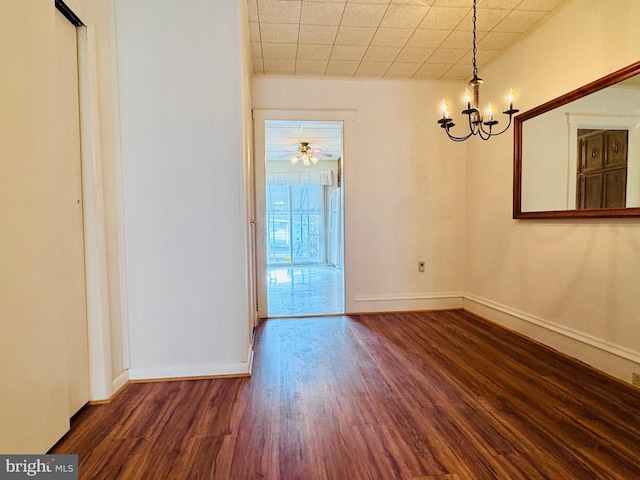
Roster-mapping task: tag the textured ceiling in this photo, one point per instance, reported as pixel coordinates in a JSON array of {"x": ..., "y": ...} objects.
[
  {"x": 386, "y": 38},
  {"x": 282, "y": 139}
]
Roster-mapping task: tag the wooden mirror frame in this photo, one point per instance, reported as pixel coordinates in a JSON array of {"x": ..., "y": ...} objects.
[{"x": 592, "y": 87}]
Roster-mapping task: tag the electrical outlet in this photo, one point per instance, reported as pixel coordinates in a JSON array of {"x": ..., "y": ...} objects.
[
  {"x": 421, "y": 266},
  {"x": 635, "y": 379}
]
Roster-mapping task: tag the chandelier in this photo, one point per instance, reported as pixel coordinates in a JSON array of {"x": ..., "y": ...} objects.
[
  {"x": 477, "y": 124},
  {"x": 306, "y": 155}
]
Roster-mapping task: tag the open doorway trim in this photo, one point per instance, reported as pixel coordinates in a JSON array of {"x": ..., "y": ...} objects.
[
  {"x": 259, "y": 117},
  {"x": 101, "y": 381}
]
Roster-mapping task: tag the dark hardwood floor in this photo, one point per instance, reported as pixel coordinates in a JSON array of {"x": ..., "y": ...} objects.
[{"x": 439, "y": 395}]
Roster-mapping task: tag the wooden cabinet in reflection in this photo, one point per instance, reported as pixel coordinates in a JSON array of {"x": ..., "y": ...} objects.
[{"x": 602, "y": 168}]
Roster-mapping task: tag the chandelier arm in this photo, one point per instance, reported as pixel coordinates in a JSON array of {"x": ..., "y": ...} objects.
[
  {"x": 472, "y": 127},
  {"x": 488, "y": 133},
  {"x": 483, "y": 134},
  {"x": 458, "y": 139},
  {"x": 492, "y": 134},
  {"x": 476, "y": 126},
  {"x": 454, "y": 138}
]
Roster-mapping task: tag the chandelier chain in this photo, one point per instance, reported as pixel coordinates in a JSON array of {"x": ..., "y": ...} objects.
[{"x": 475, "y": 48}]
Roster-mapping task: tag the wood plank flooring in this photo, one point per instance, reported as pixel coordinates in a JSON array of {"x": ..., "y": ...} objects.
[{"x": 438, "y": 395}]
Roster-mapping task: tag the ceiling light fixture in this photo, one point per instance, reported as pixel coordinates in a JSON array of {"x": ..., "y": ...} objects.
[
  {"x": 477, "y": 125},
  {"x": 305, "y": 155}
]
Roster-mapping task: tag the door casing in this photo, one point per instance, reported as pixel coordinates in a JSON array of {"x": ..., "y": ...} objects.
[{"x": 259, "y": 118}]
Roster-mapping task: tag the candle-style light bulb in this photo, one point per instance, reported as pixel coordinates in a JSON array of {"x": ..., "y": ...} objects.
[
  {"x": 467, "y": 98},
  {"x": 490, "y": 113},
  {"x": 510, "y": 97},
  {"x": 444, "y": 110}
]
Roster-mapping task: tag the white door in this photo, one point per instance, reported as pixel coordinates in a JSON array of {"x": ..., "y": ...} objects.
[
  {"x": 73, "y": 278},
  {"x": 42, "y": 292}
]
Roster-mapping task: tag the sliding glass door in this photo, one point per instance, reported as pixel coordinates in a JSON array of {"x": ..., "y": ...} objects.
[{"x": 294, "y": 224}]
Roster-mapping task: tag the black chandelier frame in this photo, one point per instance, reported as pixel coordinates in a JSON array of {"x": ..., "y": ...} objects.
[{"x": 477, "y": 125}]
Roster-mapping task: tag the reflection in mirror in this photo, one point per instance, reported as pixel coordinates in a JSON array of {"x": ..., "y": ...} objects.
[
  {"x": 601, "y": 177},
  {"x": 579, "y": 155}
]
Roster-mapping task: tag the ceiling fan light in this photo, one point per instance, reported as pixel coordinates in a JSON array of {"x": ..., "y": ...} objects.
[
  {"x": 314, "y": 159},
  {"x": 294, "y": 159},
  {"x": 305, "y": 160}
]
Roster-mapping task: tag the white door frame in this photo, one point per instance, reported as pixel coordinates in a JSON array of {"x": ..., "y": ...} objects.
[
  {"x": 100, "y": 370},
  {"x": 259, "y": 118},
  {"x": 101, "y": 381}
]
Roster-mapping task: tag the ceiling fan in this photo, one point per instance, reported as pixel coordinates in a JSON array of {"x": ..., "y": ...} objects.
[{"x": 308, "y": 155}]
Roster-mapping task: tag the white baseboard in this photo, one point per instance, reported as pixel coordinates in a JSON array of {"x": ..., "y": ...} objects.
[
  {"x": 407, "y": 302},
  {"x": 119, "y": 382},
  {"x": 187, "y": 371},
  {"x": 615, "y": 360},
  {"x": 250, "y": 361}
]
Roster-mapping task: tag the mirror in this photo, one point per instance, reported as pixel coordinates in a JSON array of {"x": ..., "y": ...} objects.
[{"x": 579, "y": 154}]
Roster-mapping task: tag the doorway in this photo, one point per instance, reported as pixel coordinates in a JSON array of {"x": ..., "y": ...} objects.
[{"x": 302, "y": 197}]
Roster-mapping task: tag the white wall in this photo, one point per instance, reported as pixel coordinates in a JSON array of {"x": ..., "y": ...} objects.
[
  {"x": 183, "y": 102},
  {"x": 570, "y": 284},
  {"x": 404, "y": 188}
]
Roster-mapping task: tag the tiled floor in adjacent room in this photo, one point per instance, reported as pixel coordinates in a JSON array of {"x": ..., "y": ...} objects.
[{"x": 305, "y": 290}]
